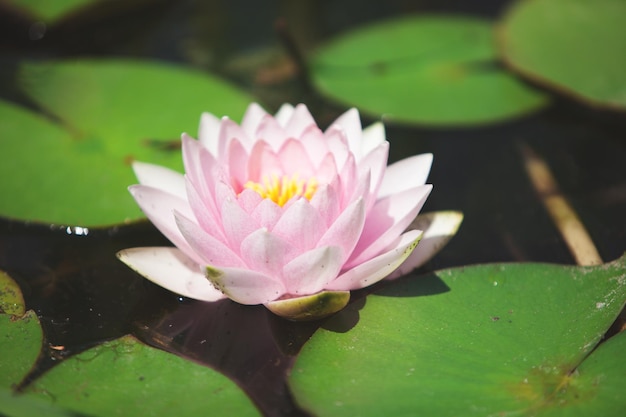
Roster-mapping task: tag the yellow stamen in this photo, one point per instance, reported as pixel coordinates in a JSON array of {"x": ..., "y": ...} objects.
[{"x": 282, "y": 189}]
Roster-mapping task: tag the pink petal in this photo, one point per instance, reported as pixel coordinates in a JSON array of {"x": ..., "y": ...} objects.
[
  {"x": 326, "y": 202},
  {"x": 314, "y": 142},
  {"x": 300, "y": 225},
  {"x": 271, "y": 132},
  {"x": 251, "y": 119},
  {"x": 373, "y": 136},
  {"x": 313, "y": 270},
  {"x": 158, "y": 176},
  {"x": 245, "y": 286},
  {"x": 388, "y": 219},
  {"x": 249, "y": 200},
  {"x": 237, "y": 165},
  {"x": 295, "y": 160},
  {"x": 376, "y": 163},
  {"x": 377, "y": 268},
  {"x": 284, "y": 114},
  {"x": 267, "y": 213},
  {"x": 439, "y": 227},
  {"x": 209, "y": 131},
  {"x": 337, "y": 144},
  {"x": 350, "y": 124},
  {"x": 159, "y": 207},
  {"x": 300, "y": 120},
  {"x": 346, "y": 230},
  {"x": 205, "y": 213},
  {"x": 265, "y": 252},
  {"x": 230, "y": 130},
  {"x": 171, "y": 269},
  {"x": 237, "y": 223},
  {"x": 212, "y": 251},
  {"x": 406, "y": 173},
  {"x": 263, "y": 161}
]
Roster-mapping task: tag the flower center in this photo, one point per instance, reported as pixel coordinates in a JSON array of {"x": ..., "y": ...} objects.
[{"x": 281, "y": 189}]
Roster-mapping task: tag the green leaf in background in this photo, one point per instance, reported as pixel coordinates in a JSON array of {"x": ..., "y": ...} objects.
[
  {"x": 111, "y": 113},
  {"x": 433, "y": 70},
  {"x": 11, "y": 298},
  {"x": 20, "y": 342},
  {"x": 487, "y": 340},
  {"x": 51, "y": 10},
  {"x": 127, "y": 378},
  {"x": 13, "y": 405},
  {"x": 575, "y": 46}
]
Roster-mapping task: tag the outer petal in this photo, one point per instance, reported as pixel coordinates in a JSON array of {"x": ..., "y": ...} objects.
[
  {"x": 387, "y": 219},
  {"x": 237, "y": 223},
  {"x": 284, "y": 114},
  {"x": 373, "y": 135},
  {"x": 345, "y": 231},
  {"x": 245, "y": 286},
  {"x": 209, "y": 131},
  {"x": 350, "y": 124},
  {"x": 158, "y": 176},
  {"x": 300, "y": 120},
  {"x": 212, "y": 251},
  {"x": 404, "y": 174},
  {"x": 439, "y": 227},
  {"x": 313, "y": 270},
  {"x": 377, "y": 268},
  {"x": 251, "y": 119},
  {"x": 265, "y": 252},
  {"x": 171, "y": 269},
  {"x": 159, "y": 207}
]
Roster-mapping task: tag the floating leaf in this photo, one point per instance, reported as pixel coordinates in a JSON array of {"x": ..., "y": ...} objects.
[
  {"x": 112, "y": 112},
  {"x": 488, "y": 340},
  {"x": 11, "y": 298},
  {"x": 51, "y": 10},
  {"x": 127, "y": 378},
  {"x": 21, "y": 339},
  {"x": 435, "y": 70},
  {"x": 575, "y": 46},
  {"x": 12, "y": 405}
]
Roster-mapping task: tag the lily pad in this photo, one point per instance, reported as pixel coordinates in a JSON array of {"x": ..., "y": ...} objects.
[
  {"x": 13, "y": 405},
  {"x": 51, "y": 10},
  {"x": 487, "y": 340},
  {"x": 111, "y": 112},
  {"x": 11, "y": 298},
  {"x": 124, "y": 377},
  {"x": 432, "y": 70},
  {"x": 575, "y": 46},
  {"x": 21, "y": 340}
]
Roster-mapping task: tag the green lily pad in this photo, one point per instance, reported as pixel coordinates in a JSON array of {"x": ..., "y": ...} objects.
[
  {"x": 13, "y": 405},
  {"x": 433, "y": 70},
  {"x": 124, "y": 377},
  {"x": 111, "y": 112},
  {"x": 20, "y": 342},
  {"x": 11, "y": 298},
  {"x": 487, "y": 340},
  {"x": 575, "y": 46},
  {"x": 51, "y": 10}
]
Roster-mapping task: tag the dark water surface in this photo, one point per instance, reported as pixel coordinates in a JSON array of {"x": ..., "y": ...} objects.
[{"x": 84, "y": 295}]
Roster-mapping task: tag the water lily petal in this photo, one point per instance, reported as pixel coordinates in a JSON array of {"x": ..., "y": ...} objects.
[
  {"x": 158, "y": 176},
  {"x": 377, "y": 268},
  {"x": 209, "y": 132},
  {"x": 295, "y": 160},
  {"x": 313, "y": 270},
  {"x": 373, "y": 135},
  {"x": 267, "y": 213},
  {"x": 310, "y": 307},
  {"x": 263, "y": 162},
  {"x": 229, "y": 130},
  {"x": 300, "y": 225},
  {"x": 251, "y": 119},
  {"x": 237, "y": 223},
  {"x": 404, "y": 174},
  {"x": 205, "y": 212},
  {"x": 300, "y": 120},
  {"x": 212, "y": 251},
  {"x": 346, "y": 230},
  {"x": 159, "y": 207},
  {"x": 171, "y": 269},
  {"x": 238, "y": 165},
  {"x": 271, "y": 132},
  {"x": 265, "y": 252},
  {"x": 246, "y": 286},
  {"x": 439, "y": 227},
  {"x": 350, "y": 124},
  {"x": 313, "y": 139},
  {"x": 375, "y": 162},
  {"x": 387, "y": 219},
  {"x": 326, "y": 202},
  {"x": 283, "y": 114}
]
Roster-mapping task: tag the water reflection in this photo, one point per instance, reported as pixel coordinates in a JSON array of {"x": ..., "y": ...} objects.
[{"x": 246, "y": 343}]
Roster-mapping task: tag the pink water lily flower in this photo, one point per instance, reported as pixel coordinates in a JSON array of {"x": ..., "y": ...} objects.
[{"x": 277, "y": 212}]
